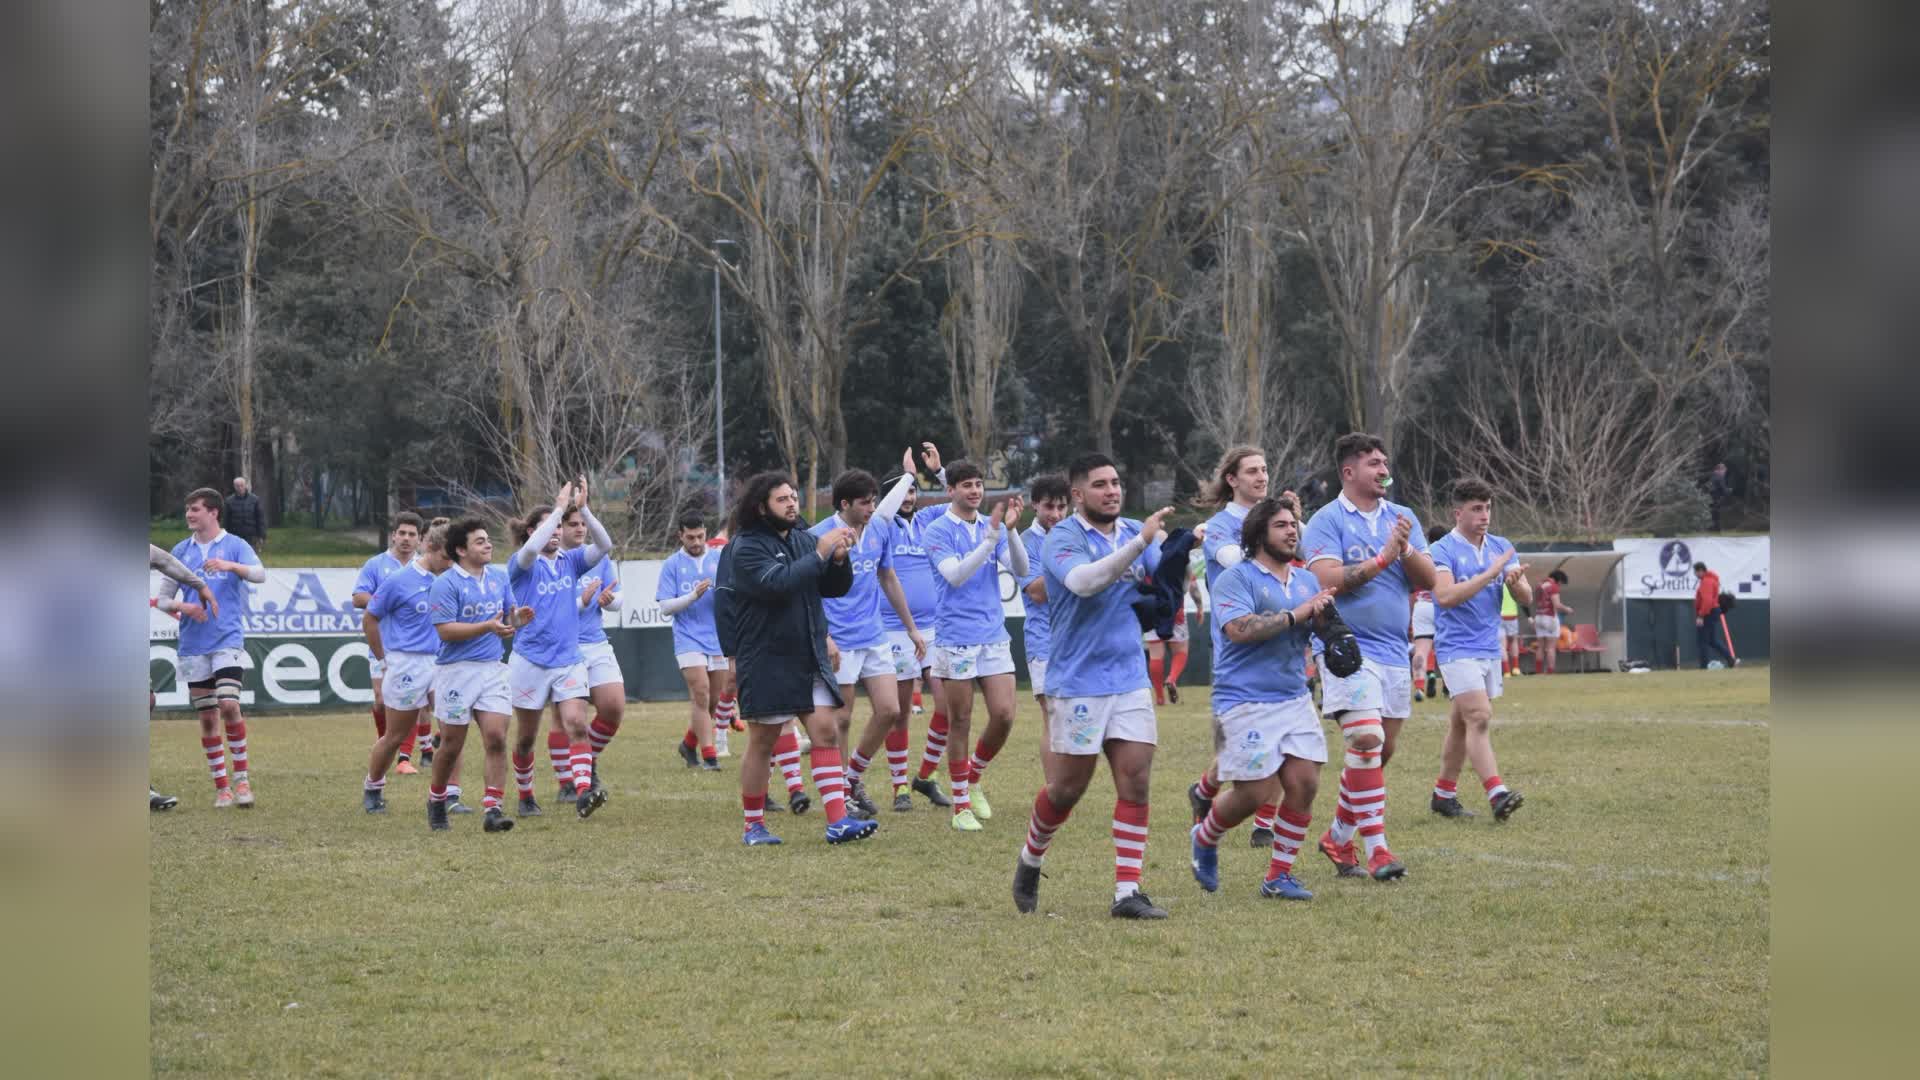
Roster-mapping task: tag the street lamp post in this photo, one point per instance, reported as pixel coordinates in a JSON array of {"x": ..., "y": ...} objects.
[{"x": 719, "y": 395}]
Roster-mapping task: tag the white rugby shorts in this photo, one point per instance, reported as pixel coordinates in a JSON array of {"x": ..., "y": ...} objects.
[
  {"x": 1083, "y": 725},
  {"x": 868, "y": 663},
  {"x": 408, "y": 681},
  {"x": 1546, "y": 626},
  {"x": 972, "y": 661},
  {"x": 1037, "y": 675},
  {"x": 1475, "y": 673},
  {"x": 1423, "y": 619},
  {"x": 697, "y": 660},
  {"x": 905, "y": 664},
  {"x": 200, "y": 667},
  {"x": 1250, "y": 740},
  {"x": 533, "y": 686},
  {"x": 603, "y": 668},
  {"x": 822, "y": 699},
  {"x": 466, "y": 687},
  {"x": 1386, "y": 689}
]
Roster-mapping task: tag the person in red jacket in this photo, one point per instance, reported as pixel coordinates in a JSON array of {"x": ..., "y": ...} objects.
[{"x": 1706, "y": 615}]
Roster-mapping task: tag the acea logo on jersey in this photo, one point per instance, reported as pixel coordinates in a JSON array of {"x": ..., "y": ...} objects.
[{"x": 563, "y": 583}]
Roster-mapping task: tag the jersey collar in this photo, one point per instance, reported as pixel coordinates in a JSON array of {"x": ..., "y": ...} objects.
[
  {"x": 1479, "y": 549},
  {"x": 1283, "y": 580},
  {"x": 463, "y": 572}
]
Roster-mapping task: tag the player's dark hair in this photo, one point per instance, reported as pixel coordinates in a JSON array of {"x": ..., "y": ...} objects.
[
  {"x": 750, "y": 509},
  {"x": 1559, "y": 576},
  {"x": 1084, "y": 465},
  {"x": 408, "y": 517},
  {"x": 208, "y": 498},
  {"x": 1048, "y": 487},
  {"x": 692, "y": 519},
  {"x": 1253, "y": 531},
  {"x": 1216, "y": 491},
  {"x": 852, "y": 486},
  {"x": 1471, "y": 489},
  {"x": 1355, "y": 444},
  {"x": 1435, "y": 532},
  {"x": 962, "y": 471},
  {"x": 523, "y": 527},
  {"x": 1699, "y": 568},
  {"x": 459, "y": 531}
]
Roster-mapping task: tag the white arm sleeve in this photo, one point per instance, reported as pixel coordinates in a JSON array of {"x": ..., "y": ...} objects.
[
  {"x": 255, "y": 573},
  {"x": 1229, "y": 555},
  {"x": 163, "y": 561},
  {"x": 600, "y": 544},
  {"x": 957, "y": 571},
  {"x": 889, "y": 506},
  {"x": 531, "y": 549},
  {"x": 676, "y": 605},
  {"x": 166, "y": 597},
  {"x": 1016, "y": 554},
  {"x": 1089, "y": 578},
  {"x": 615, "y": 606}
]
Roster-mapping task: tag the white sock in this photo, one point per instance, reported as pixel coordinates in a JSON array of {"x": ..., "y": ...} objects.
[{"x": 1124, "y": 889}]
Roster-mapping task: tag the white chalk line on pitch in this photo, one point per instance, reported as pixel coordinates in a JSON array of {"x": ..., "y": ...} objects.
[
  {"x": 1762, "y": 876},
  {"x": 1519, "y": 717}
]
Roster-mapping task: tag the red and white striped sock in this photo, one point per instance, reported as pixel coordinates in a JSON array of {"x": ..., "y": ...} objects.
[
  {"x": 958, "y": 772},
  {"x": 1045, "y": 820},
  {"x": 1494, "y": 787},
  {"x": 1263, "y": 816},
  {"x": 560, "y": 754},
  {"x": 1368, "y": 793},
  {"x": 492, "y": 799},
  {"x": 1345, "y": 824},
  {"x": 436, "y": 793},
  {"x": 216, "y": 759},
  {"x": 375, "y": 785},
  {"x": 599, "y": 734},
  {"x": 727, "y": 709},
  {"x": 829, "y": 781},
  {"x": 422, "y": 736},
  {"x": 1446, "y": 789},
  {"x": 857, "y": 765},
  {"x": 1129, "y": 846},
  {"x": 237, "y": 748},
  {"x": 1207, "y": 833},
  {"x": 755, "y": 807},
  {"x": 523, "y": 774},
  {"x": 982, "y": 757},
  {"x": 379, "y": 720},
  {"x": 786, "y": 755},
  {"x": 1289, "y": 832},
  {"x": 1209, "y": 784},
  {"x": 897, "y": 756},
  {"x": 936, "y": 747},
  {"x": 582, "y": 756}
]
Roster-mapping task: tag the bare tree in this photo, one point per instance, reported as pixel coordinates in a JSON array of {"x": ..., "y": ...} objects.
[
  {"x": 1572, "y": 445},
  {"x": 1388, "y": 96},
  {"x": 1679, "y": 294},
  {"x": 789, "y": 163},
  {"x": 524, "y": 177},
  {"x": 1117, "y": 184}
]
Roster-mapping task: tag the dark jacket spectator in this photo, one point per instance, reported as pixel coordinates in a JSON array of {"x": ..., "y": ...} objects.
[
  {"x": 769, "y": 617},
  {"x": 243, "y": 516},
  {"x": 1718, "y": 492}
]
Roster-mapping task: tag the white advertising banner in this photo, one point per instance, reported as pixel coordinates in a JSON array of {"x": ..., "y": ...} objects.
[
  {"x": 1662, "y": 569},
  {"x": 639, "y": 610}
]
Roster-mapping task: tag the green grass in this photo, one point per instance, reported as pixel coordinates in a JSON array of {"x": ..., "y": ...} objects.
[{"x": 1619, "y": 924}]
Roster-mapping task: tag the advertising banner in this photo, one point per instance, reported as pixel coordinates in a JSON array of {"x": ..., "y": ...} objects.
[{"x": 1662, "y": 569}]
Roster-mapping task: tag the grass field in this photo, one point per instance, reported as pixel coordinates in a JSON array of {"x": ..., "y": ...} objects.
[{"x": 1619, "y": 923}]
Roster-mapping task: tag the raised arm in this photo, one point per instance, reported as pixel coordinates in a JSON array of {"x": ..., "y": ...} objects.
[
  {"x": 530, "y": 550},
  {"x": 1090, "y": 577},
  {"x": 895, "y": 497},
  {"x": 599, "y": 543}
]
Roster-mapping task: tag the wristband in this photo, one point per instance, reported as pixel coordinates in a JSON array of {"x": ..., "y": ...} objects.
[{"x": 1382, "y": 561}]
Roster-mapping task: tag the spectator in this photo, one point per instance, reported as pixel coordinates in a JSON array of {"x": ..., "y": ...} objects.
[
  {"x": 244, "y": 517},
  {"x": 1707, "y": 615},
  {"x": 1718, "y": 492}
]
